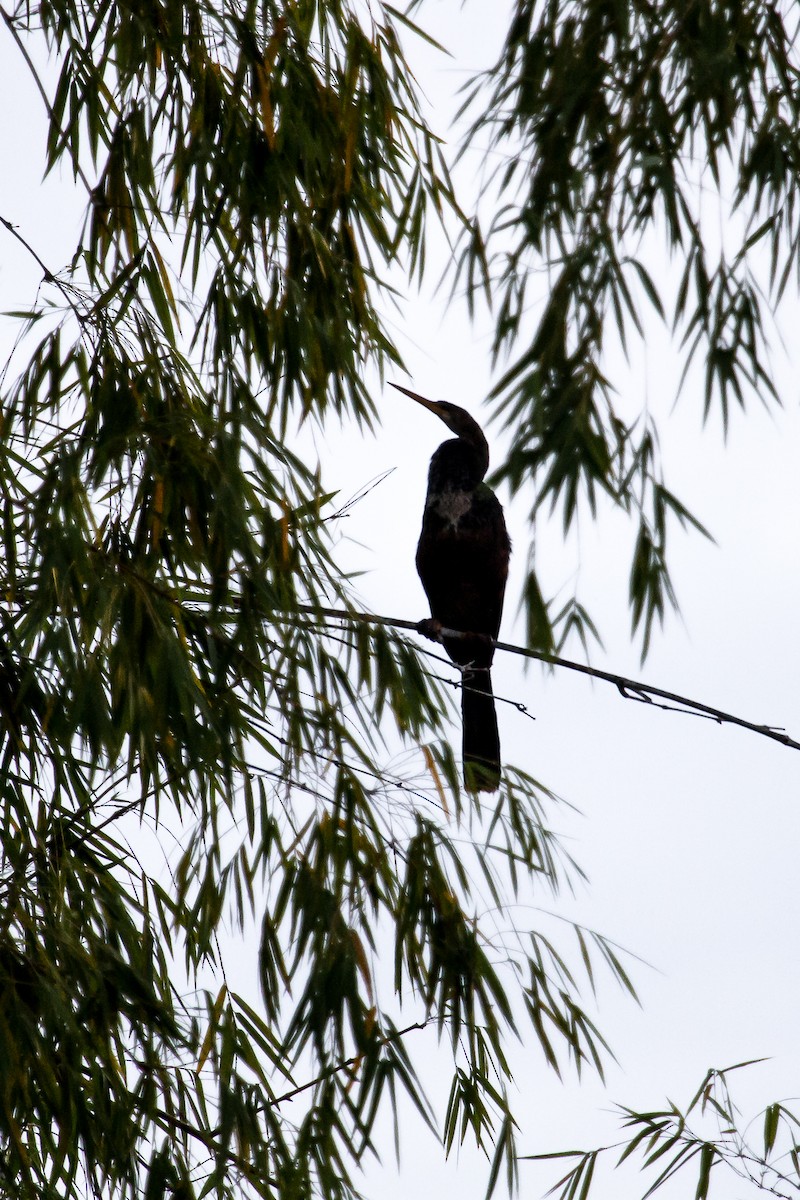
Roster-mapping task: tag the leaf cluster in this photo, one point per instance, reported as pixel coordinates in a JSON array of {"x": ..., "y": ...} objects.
[
  {"x": 763, "y": 1153},
  {"x": 607, "y": 123}
]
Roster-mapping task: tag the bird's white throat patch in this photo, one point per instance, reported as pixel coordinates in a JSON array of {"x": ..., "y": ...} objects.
[{"x": 451, "y": 505}]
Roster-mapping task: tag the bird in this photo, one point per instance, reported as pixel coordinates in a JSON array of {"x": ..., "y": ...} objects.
[{"x": 462, "y": 561}]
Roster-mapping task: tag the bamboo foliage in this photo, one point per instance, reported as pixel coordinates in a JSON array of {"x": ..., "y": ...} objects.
[
  {"x": 250, "y": 172},
  {"x": 193, "y": 751},
  {"x": 707, "y": 1138},
  {"x": 616, "y": 135}
]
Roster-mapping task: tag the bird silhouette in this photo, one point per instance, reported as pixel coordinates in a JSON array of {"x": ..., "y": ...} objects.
[{"x": 462, "y": 561}]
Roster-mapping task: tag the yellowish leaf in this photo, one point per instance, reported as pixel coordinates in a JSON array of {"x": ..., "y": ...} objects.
[
  {"x": 437, "y": 779},
  {"x": 208, "y": 1040},
  {"x": 361, "y": 960}
]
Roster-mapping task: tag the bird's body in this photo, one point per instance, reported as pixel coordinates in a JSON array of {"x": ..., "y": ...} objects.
[{"x": 462, "y": 560}]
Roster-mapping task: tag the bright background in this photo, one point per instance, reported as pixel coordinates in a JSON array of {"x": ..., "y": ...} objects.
[{"x": 688, "y": 831}]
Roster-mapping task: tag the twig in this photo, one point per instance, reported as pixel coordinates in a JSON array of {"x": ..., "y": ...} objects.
[
  {"x": 344, "y": 1066},
  {"x": 65, "y": 289}
]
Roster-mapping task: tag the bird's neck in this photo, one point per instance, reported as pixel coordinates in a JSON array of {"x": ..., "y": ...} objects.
[{"x": 458, "y": 466}]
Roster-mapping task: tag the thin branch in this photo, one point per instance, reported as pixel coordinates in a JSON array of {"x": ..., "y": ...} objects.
[
  {"x": 346, "y": 1065},
  {"x": 629, "y": 689},
  {"x": 68, "y": 291},
  {"x": 171, "y": 1121}
]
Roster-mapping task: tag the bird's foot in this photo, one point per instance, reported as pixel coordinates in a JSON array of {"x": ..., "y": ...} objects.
[{"x": 430, "y": 628}]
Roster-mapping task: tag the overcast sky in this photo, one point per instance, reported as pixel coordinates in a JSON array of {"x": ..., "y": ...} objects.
[{"x": 688, "y": 831}]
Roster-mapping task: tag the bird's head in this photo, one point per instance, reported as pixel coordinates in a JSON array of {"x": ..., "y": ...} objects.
[{"x": 457, "y": 420}]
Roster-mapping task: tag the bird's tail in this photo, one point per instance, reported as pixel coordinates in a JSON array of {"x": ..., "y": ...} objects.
[{"x": 481, "y": 739}]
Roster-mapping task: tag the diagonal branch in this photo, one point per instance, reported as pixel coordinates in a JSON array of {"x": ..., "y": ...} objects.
[
  {"x": 346, "y": 1065},
  {"x": 629, "y": 689},
  {"x": 67, "y": 290}
]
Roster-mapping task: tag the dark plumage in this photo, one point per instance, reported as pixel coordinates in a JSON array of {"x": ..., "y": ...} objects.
[{"x": 462, "y": 560}]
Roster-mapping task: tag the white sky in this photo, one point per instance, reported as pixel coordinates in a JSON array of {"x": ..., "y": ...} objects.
[{"x": 689, "y": 831}]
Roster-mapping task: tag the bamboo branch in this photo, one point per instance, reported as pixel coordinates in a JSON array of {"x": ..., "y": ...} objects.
[{"x": 629, "y": 689}]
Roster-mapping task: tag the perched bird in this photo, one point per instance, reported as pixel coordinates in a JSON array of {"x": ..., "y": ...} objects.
[{"x": 462, "y": 560}]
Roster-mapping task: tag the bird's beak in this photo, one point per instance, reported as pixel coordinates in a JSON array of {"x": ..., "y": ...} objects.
[{"x": 431, "y": 405}]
